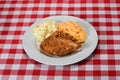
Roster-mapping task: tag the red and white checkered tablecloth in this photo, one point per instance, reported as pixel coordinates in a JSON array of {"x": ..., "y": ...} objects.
[{"x": 17, "y": 16}]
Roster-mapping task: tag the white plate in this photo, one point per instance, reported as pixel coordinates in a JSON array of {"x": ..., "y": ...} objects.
[{"x": 88, "y": 47}]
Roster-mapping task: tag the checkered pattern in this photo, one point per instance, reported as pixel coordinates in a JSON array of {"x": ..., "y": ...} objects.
[{"x": 17, "y": 16}]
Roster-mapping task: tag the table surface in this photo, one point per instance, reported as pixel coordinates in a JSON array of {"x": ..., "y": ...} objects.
[{"x": 17, "y": 16}]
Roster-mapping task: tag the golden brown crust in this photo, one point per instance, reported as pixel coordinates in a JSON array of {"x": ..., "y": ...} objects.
[{"x": 58, "y": 45}]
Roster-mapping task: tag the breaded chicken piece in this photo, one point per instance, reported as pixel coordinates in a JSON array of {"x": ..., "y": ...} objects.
[{"x": 58, "y": 44}]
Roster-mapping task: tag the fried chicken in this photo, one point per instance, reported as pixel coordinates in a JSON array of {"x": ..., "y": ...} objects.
[{"x": 58, "y": 44}]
